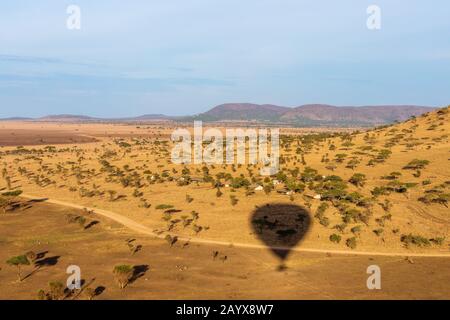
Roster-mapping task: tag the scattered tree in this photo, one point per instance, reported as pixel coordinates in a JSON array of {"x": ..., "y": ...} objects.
[
  {"x": 18, "y": 262},
  {"x": 122, "y": 274}
]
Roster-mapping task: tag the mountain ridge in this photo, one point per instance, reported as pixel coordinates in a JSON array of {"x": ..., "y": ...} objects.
[
  {"x": 314, "y": 114},
  {"x": 304, "y": 115}
]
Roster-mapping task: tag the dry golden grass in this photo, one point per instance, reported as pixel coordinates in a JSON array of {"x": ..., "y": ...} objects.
[
  {"x": 74, "y": 173},
  {"x": 191, "y": 272}
]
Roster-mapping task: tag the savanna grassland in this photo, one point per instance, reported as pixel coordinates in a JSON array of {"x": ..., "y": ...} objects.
[
  {"x": 159, "y": 270},
  {"x": 383, "y": 191}
]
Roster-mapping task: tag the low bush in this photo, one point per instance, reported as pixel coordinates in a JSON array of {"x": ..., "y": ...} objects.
[
  {"x": 335, "y": 238},
  {"x": 14, "y": 193},
  {"x": 351, "y": 243},
  {"x": 416, "y": 164},
  {"x": 164, "y": 206},
  {"x": 414, "y": 240}
]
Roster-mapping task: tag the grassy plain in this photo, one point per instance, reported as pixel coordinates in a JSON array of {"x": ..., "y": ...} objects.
[{"x": 384, "y": 190}]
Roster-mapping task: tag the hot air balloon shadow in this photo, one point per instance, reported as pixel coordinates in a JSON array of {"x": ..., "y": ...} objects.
[{"x": 281, "y": 227}]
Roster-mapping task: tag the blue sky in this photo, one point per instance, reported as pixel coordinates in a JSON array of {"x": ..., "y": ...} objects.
[{"x": 182, "y": 57}]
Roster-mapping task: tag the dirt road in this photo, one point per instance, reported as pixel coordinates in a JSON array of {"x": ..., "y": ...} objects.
[{"x": 133, "y": 225}]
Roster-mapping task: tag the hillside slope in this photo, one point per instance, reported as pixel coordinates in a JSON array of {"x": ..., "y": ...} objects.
[{"x": 364, "y": 115}]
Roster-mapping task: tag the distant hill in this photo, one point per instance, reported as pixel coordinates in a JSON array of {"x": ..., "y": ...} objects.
[
  {"x": 65, "y": 117},
  {"x": 320, "y": 114},
  {"x": 313, "y": 114},
  {"x": 306, "y": 115},
  {"x": 152, "y": 117},
  {"x": 244, "y": 112},
  {"x": 16, "y": 119}
]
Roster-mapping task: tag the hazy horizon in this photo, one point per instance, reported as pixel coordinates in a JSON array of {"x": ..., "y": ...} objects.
[
  {"x": 183, "y": 58},
  {"x": 193, "y": 114}
]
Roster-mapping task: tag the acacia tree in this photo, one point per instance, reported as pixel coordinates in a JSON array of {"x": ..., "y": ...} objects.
[
  {"x": 358, "y": 179},
  {"x": 112, "y": 194},
  {"x": 18, "y": 261},
  {"x": 122, "y": 274},
  {"x": 416, "y": 164}
]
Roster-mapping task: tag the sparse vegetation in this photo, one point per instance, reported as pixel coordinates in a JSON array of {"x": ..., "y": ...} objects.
[
  {"x": 122, "y": 274},
  {"x": 18, "y": 262},
  {"x": 367, "y": 189},
  {"x": 416, "y": 164},
  {"x": 351, "y": 243},
  {"x": 416, "y": 240},
  {"x": 335, "y": 238}
]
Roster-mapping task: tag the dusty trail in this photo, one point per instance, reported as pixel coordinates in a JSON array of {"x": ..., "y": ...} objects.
[{"x": 133, "y": 225}]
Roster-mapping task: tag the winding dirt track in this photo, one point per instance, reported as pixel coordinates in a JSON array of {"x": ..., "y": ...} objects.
[{"x": 133, "y": 225}]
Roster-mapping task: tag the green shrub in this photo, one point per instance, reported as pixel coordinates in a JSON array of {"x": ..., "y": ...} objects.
[
  {"x": 392, "y": 176},
  {"x": 383, "y": 155},
  {"x": 436, "y": 197},
  {"x": 415, "y": 240},
  {"x": 293, "y": 185},
  {"x": 378, "y": 232},
  {"x": 358, "y": 179},
  {"x": 332, "y": 187},
  {"x": 335, "y": 238},
  {"x": 438, "y": 241},
  {"x": 14, "y": 193},
  {"x": 351, "y": 243},
  {"x": 308, "y": 175},
  {"x": 324, "y": 221},
  {"x": 356, "y": 230},
  {"x": 416, "y": 164},
  {"x": 164, "y": 206},
  {"x": 340, "y": 227},
  {"x": 239, "y": 182},
  {"x": 380, "y": 191}
]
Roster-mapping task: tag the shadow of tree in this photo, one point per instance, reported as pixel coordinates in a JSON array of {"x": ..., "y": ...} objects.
[
  {"x": 42, "y": 261},
  {"x": 138, "y": 272},
  {"x": 38, "y": 200},
  {"x": 91, "y": 224},
  {"x": 99, "y": 290},
  {"x": 46, "y": 262}
]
